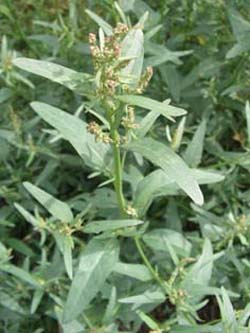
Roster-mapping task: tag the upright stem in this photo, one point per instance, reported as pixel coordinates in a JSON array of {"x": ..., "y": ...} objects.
[
  {"x": 117, "y": 168},
  {"x": 154, "y": 274}
]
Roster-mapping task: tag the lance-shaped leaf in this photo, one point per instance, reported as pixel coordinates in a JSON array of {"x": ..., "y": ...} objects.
[
  {"x": 96, "y": 264},
  {"x": 241, "y": 30},
  {"x": 106, "y": 225},
  {"x": 163, "y": 108},
  {"x": 78, "y": 82},
  {"x": 132, "y": 48},
  {"x": 171, "y": 163},
  {"x": 107, "y": 28},
  {"x": 193, "y": 153},
  {"x": 136, "y": 271},
  {"x": 74, "y": 130},
  {"x": 159, "y": 183},
  {"x": 200, "y": 273},
  {"x": 57, "y": 208},
  {"x": 148, "y": 297},
  {"x": 227, "y": 313},
  {"x": 65, "y": 244},
  {"x": 160, "y": 239}
]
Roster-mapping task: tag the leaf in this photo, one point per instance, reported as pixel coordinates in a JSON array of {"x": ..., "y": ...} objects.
[
  {"x": 72, "y": 327},
  {"x": 241, "y": 30},
  {"x": 5, "y": 94},
  {"x": 107, "y": 28},
  {"x": 172, "y": 78},
  {"x": 227, "y": 313},
  {"x": 164, "y": 109},
  {"x": 105, "y": 225},
  {"x": 65, "y": 244},
  {"x": 171, "y": 163},
  {"x": 36, "y": 300},
  {"x": 193, "y": 153},
  {"x": 240, "y": 26},
  {"x": 148, "y": 297},
  {"x": 132, "y": 47},
  {"x": 91, "y": 152},
  {"x": 10, "y": 302},
  {"x": 28, "y": 217},
  {"x": 149, "y": 321},
  {"x": 111, "y": 307},
  {"x": 57, "y": 208},
  {"x": 247, "y": 110},
  {"x": 21, "y": 274},
  {"x": 56, "y": 73},
  {"x": 96, "y": 264},
  {"x": 160, "y": 54},
  {"x": 136, "y": 271},
  {"x": 159, "y": 239},
  {"x": 158, "y": 183},
  {"x": 196, "y": 329},
  {"x": 201, "y": 272}
]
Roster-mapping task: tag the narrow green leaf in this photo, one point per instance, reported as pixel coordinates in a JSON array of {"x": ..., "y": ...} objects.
[
  {"x": 105, "y": 225},
  {"x": 65, "y": 244},
  {"x": 158, "y": 183},
  {"x": 247, "y": 110},
  {"x": 28, "y": 217},
  {"x": 96, "y": 264},
  {"x": 201, "y": 272},
  {"x": 149, "y": 321},
  {"x": 56, "y": 73},
  {"x": 5, "y": 94},
  {"x": 164, "y": 109},
  {"x": 171, "y": 163},
  {"x": 227, "y": 313},
  {"x": 136, "y": 271},
  {"x": 148, "y": 297},
  {"x": 10, "y": 302},
  {"x": 196, "y": 329},
  {"x": 74, "y": 130},
  {"x": 107, "y": 28},
  {"x": 159, "y": 239},
  {"x": 240, "y": 26},
  {"x": 132, "y": 47},
  {"x": 57, "y": 208},
  {"x": 36, "y": 300},
  {"x": 193, "y": 153},
  {"x": 21, "y": 274},
  {"x": 111, "y": 307}
]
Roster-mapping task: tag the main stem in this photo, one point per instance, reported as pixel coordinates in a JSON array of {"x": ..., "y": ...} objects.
[{"x": 117, "y": 170}]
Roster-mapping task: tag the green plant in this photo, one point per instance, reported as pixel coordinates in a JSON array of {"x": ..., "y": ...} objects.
[{"x": 136, "y": 256}]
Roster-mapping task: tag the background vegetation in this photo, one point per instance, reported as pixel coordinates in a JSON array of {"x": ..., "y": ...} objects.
[{"x": 199, "y": 51}]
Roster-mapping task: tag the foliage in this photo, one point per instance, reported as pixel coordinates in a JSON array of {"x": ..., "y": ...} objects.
[{"x": 124, "y": 140}]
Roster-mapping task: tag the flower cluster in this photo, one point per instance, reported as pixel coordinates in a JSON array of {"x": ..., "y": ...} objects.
[
  {"x": 128, "y": 122},
  {"x": 96, "y": 130},
  {"x": 108, "y": 63}
]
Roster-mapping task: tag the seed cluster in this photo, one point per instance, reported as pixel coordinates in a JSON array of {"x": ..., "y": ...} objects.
[
  {"x": 97, "y": 131},
  {"x": 108, "y": 64}
]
